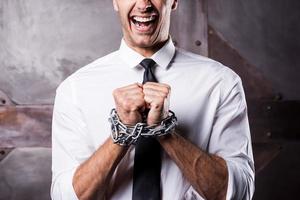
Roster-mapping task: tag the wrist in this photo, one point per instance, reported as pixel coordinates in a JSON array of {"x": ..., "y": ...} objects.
[
  {"x": 156, "y": 117},
  {"x": 166, "y": 138},
  {"x": 130, "y": 118},
  {"x": 127, "y": 135}
]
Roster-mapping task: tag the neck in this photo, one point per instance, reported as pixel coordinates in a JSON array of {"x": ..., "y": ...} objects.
[{"x": 147, "y": 51}]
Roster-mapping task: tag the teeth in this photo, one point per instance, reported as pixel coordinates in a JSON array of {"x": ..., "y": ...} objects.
[{"x": 144, "y": 19}]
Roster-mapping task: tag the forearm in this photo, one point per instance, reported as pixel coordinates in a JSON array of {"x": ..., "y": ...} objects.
[
  {"x": 91, "y": 178},
  {"x": 206, "y": 173}
]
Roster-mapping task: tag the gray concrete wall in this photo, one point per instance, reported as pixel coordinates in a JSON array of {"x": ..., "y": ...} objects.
[
  {"x": 42, "y": 42},
  {"x": 266, "y": 33},
  {"x": 25, "y": 174}
]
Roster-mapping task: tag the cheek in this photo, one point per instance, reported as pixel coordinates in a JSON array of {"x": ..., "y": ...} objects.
[
  {"x": 165, "y": 21},
  {"x": 124, "y": 13},
  {"x": 124, "y": 20}
]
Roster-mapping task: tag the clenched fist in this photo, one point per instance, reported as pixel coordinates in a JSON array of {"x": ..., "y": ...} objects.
[
  {"x": 157, "y": 98},
  {"x": 133, "y": 100},
  {"x": 130, "y": 103}
]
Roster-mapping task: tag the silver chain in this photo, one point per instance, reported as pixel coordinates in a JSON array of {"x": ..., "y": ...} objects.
[{"x": 127, "y": 135}]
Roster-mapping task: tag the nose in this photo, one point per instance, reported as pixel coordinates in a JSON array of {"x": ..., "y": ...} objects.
[{"x": 144, "y": 5}]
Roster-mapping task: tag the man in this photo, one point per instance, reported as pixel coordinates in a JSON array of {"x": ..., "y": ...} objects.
[{"x": 207, "y": 156}]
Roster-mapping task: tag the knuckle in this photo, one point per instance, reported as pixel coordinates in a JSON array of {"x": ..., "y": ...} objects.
[
  {"x": 126, "y": 105},
  {"x": 140, "y": 91},
  {"x": 136, "y": 106},
  {"x": 162, "y": 100},
  {"x": 168, "y": 89},
  {"x": 115, "y": 92},
  {"x": 136, "y": 85},
  {"x": 132, "y": 105},
  {"x": 157, "y": 106},
  {"x": 146, "y": 98},
  {"x": 164, "y": 96},
  {"x": 158, "y": 103}
]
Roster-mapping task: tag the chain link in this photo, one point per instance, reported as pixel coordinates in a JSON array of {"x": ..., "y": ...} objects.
[{"x": 126, "y": 135}]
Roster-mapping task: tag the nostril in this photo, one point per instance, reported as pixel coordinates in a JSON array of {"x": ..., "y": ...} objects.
[
  {"x": 145, "y": 8},
  {"x": 149, "y": 8}
]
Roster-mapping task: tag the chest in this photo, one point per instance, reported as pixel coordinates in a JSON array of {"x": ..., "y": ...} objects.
[{"x": 193, "y": 99}]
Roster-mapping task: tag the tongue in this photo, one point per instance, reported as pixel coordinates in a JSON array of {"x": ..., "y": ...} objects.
[{"x": 143, "y": 24}]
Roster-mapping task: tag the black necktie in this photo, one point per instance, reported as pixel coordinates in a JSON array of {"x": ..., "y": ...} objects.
[{"x": 147, "y": 159}]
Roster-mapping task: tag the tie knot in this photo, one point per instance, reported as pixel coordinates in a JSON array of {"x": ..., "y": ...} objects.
[
  {"x": 147, "y": 63},
  {"x": 148, "y": 74}
]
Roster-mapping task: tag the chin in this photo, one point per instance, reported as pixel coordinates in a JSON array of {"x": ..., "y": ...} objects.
[{"x": 144, "y": 42}]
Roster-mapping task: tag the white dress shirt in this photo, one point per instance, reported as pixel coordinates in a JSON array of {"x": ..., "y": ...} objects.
[{"x": 207, "y": 98}]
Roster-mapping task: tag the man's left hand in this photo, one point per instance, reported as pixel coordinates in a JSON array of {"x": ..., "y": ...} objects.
[{"x": 157, "y": 98}]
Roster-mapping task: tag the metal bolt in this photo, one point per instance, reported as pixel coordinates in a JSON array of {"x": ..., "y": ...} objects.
[
  {"x": 269, "y": 134},
  {"x": 278, "y": 97},
  {"x": 210, "y": 32},
  {"x": 198, "y": 43},
  {"x": 269, "y": 107}
]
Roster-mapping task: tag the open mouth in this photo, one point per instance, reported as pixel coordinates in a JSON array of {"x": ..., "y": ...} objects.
[{"x": 144, "y": 23}]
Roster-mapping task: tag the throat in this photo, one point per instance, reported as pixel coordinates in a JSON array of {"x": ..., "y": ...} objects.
[{"x": 147, "y": 51}]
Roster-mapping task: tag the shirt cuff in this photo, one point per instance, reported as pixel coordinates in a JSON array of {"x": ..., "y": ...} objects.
[
  {"x": 230, "y": 186},
  {"x": 62, "y": 187},
  {"x": 192, "y": 194}
]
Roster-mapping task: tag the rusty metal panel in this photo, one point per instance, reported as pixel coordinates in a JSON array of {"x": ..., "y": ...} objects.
[
  {"x": 26, "y": 174},
  {"x": 42, "y": 42},
  {"x": 264, "y": 153},
  {"x": 266, "y": 33},
  {"x": 5, "y": 100},
  {"x": 280, "y": 179},
  {"x": 4, "y": 152},
  {"x": 274, "y": 120},
  {"x": 189, "y": 26},
  {"x": 255, "y": 84},
  {"x": 25, "y": 126}
]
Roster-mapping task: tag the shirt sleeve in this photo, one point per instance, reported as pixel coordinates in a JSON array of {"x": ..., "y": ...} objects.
[
  {"x": 69, "y": 146},
  {"x": 231, "y": 140}
]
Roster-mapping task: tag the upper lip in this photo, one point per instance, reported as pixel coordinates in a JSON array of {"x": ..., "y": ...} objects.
[{"x": 144, "y": 18}]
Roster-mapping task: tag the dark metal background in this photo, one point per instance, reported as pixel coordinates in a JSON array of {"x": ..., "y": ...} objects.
[
  {"x": 260, "y": 41},
  {"x": 266, "y": 33}
]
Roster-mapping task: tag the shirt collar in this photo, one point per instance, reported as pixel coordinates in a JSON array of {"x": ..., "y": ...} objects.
[{"x": 162, "y": 57}]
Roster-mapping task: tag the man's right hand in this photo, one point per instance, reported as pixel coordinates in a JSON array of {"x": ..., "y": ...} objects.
[{"x": 130, "y": 103}]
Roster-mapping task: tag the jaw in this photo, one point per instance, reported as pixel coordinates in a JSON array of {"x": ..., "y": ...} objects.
[{"x": 145, "y": 32}]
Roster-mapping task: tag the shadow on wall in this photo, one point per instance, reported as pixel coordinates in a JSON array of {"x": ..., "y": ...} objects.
[{"x": 266, "y": 33}]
